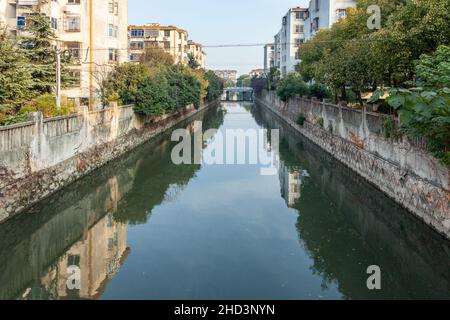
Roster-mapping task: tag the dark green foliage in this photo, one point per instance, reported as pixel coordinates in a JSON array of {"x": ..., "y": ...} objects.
[
  {"x": 168, "y": 90},
  {"x": 215, "y": 85},
  {"x": 320, "y": 91},
  {"x": 301, "y": 120},
  {"x": 192, "y": 62},
  {"x": 292, "y": 85},
  {"x": 123, "y": 83}
]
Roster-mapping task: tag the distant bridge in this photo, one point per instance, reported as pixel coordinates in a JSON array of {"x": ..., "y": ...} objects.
[{"x": 238, "y": 94}]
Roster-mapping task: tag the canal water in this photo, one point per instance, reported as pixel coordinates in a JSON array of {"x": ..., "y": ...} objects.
[{"x": 145, "y": 228}]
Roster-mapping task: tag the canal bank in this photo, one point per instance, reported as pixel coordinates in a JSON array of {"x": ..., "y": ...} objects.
[
  {"x": 405, "y": 173},
  {"x": 142, "y": 227},
  {"x": 42, "y": 156}
]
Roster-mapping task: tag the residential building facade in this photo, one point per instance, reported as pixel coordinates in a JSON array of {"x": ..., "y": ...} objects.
[
  {"x": 227, "y": 75},
  {"x": 301, "y": 24},
  {"x": 95, "y": 47},
  {"x": 256, "y": 72},
  {"x": 291, "y": 35},
  {"x": 269, "y": 56},
  {"x": 170, "y": 38},
  {"x": 277, "y": 51},
  {"x": 324, "y": 13},
  {"x": 196, "y": 49}
]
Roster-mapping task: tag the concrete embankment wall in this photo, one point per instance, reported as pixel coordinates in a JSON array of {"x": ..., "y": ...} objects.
[
  {"x": 403, "y": 169},
  {"x": 39, "y": 157}
]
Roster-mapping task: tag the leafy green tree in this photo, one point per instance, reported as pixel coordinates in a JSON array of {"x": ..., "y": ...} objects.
[
  {"x": 152, "y": 97},
  {"x": 273, "y": 78},
  {"x": 292, "y": 85},
  {"x": 244, "y": 81},
  {"x": 39, "y": 47},
  {"x": 434, "y": 70},
  {"x": 15, "y": 76},
  {"x": 215, "y": 85},
  {"x": 156, "y": 57},
  {"x": 192, "y": 62},
  {"x": 124, "y": 81}
]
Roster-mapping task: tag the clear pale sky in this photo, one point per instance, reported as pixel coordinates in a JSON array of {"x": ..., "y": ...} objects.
[{"x": 214, "y": 22}]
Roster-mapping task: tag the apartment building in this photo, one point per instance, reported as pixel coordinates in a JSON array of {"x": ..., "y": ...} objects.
[
  {"x": 170, "y": 38},
  {"x": 256, "y": 73},
  {"x": 291, "y": 35},
  {"x": 269, "y": 51},
  {"x": 227, "y": 75},
  {"x": 94, "y": 33},
  {"x": 277, "y": 51},
  {"x": 196, "y": 49},
  {"x": 324, "y": 13}
]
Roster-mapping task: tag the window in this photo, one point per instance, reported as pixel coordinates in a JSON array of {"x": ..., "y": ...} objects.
[
  {"x": 113, "y": 7},
  {"x": 21, "y": 21},
  {"x": 317, "y": 5},
  {"x": 54, "y": 23},
  {"x": 72, "y": 23},
  {"x": 299, "y": 28},
  {"x": 166, "y": 33},
  {"x": 73, "y": 1},
  {"x": 74, "y": 48},
  {"x": 113, "y": 55},
  {"x": 299, "y": 15},
  {"x": 315, "y": 24},
  {"x": 135, "y": 57},
  {"x": 137, "y": 45},
  {"x": 112, "y": 31},
  {"x": 341, "y": 13},
  {"x": 137, "y": 33},
  {"x": 298, "y": 41},
  {"x": 166, "y": 45}
]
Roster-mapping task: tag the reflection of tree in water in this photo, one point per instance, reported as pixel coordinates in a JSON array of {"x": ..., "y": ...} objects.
[
  {"x": 157, "y": 175},
  {"x": 345, "y": 225}
]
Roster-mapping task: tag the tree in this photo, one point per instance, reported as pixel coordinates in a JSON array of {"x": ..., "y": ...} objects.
[
  {"x": 434, "y": 70},
  {"x": 123, "y": 83},
  {"x": 15, "y": 76},
  {"x": 155, "y": 57},
  {"x": 215, "y": 85},
  {"x": 39, "y": 48},
  {"x": 273, "y": 78},
  {"x": 244, "y": 81},
  {"x": 292, "y": 85},
  {"x": 192, "y": 62}
]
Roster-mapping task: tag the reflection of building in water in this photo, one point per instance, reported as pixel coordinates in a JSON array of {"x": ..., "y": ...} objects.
[
  {"x": 291, "y": 183},
  {"x": 98, "y": 256}
]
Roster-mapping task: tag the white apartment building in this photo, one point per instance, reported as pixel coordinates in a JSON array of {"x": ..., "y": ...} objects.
[
  {"x": 291, "y": 35},
  {"x": 227, "y": 75},
  {"x": 269, "y": 55},
  {"x": 94, "y": 32},
  {"x": 324, "y": 13},
  {"x": 277, "y": 51},
  {"x": 196, "y": 49},
  {"x": 170, "y": 38}
]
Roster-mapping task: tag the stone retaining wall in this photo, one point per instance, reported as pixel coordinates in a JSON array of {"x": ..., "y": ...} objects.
[
  {"x": 403, "y": 170},
  {"x": 39, "y": 157}
]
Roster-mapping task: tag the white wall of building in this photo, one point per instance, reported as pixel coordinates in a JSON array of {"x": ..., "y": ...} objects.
[
  {"x": 72, "y": 27},
  {"x": 292, "y": 34},
  {"x": 324, "y": 13}
]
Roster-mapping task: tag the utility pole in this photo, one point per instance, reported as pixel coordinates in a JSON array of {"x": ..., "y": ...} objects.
[{"x": 58, "y": 78}]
